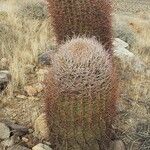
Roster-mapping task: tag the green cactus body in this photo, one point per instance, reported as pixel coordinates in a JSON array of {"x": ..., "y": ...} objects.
[
  {"x": 82, "y": 17},
  {"x": 80, "y": 96}
]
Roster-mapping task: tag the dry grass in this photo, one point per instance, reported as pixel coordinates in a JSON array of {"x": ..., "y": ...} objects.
[
  {"x": 134, "y": 30},
  {"x": 136, "y": 106},
  {"x": 134, "y": 119},
  {"x": 141, "y": 27},
  {"x": 21, "y": 41}
]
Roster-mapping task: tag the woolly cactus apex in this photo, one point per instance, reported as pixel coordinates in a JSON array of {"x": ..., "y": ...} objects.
[
  {"x": 80, "y": 96},
  {"x": 82, "y": 17}
]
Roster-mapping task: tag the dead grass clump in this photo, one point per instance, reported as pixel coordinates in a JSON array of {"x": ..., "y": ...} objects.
[
  {"x": 122, "y": 30},
  {"x": 8, "y": 38},
  {"x": 33, "y": 10},
  {"x": 21, "y": 41},
  {"x": 141, "y": 28}
]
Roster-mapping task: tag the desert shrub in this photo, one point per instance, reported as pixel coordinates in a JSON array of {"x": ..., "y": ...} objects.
[{"x": 34, "y": 10}]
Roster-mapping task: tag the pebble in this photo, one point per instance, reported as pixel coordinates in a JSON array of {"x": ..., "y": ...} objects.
[
  {"x": 120, "y": 43},
  {"x": 10, "y": 141},
  {"x": 19, "y": 130},
  {"x": 39, "y": 87},
  {"x": 5, "y": 77},
  {"x": 21, "y": 96},
  {"x": 41, "y": 146},
  {"x": 31, "y": 91},
  {"x": 4, "y": 131},
  {"x": 45, "y": 58},
  {"x": 129, "y": 59},
  {"x": 4, "y": 62},
  {"x": 117, "y": 145},
  {"x": 25, "y": 139}
]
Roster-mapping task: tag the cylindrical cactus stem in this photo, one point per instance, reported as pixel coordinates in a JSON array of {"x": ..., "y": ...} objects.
[
  {"x": 80, "y": 96},
  {"x": 82, "y": 17}
]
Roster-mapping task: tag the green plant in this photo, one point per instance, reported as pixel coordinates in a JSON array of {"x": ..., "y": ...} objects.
[{"x": 80, "y": 95}]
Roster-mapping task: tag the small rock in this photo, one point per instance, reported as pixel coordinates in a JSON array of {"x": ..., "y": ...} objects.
[
  {"x": 7, "y": 143},
  {"x": 120, "y": 43},
  {"x": 17, "y": 129},
  {"x": 18, "y": 147},
  {"x": 5, "y": 77},
  {"x": 39, "y": 87},
  {"x": 30, "y": 140},
  {"x": 21, "y": 96},
  {"x": 46, "y": 143},
  {"x": 25, "y": 139},
  {"x": 31, "y": 91},
  {"x": 129, "y": 59},
  {"x": 45, "y": 58},
  {"x": 4, "y": 131},
  {"x": 41, "y": 146},
  {"x": 4, "y": 62},
  {"x": 10, "y": 142},
  {"x": 40, "y": 127},
  {"x": 123, "y": 53},
  {"x": 117, "y": 145}
]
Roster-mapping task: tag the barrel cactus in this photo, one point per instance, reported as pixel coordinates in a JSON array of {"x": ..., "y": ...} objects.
[
  {"x": 82, "y": 17},
  {"x": 80, "y": 96}
]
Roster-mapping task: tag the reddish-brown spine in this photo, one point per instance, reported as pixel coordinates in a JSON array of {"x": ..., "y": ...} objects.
[{"x": 82, "y": 17}]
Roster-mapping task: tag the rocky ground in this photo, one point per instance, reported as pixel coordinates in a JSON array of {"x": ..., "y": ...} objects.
[{"x": 22, "y": 121}]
